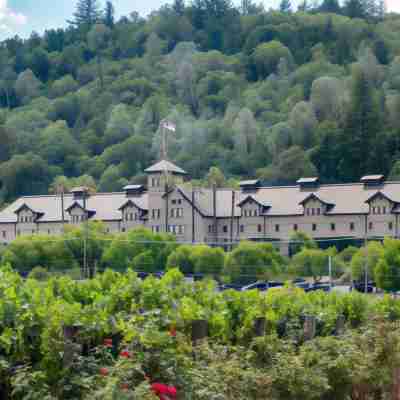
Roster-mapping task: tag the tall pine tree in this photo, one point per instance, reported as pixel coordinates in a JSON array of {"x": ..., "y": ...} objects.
[
  {"x": 87, "y": 14},
  {"x": 109, "y": 13},
  {"x": 285, "y": 6},
  {"x": 330, "y": 6},
  {"x": 360, "y": 131}
]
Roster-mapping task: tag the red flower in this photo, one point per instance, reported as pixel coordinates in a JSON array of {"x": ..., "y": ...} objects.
[
  {"x": 164, "y": 392},
  {"x": 125, "y": 386},
  {"x": 108, "y": 343},
  {"x": 125, "y": 354},
  {"x": 103, "y": 371},
  {"x": 147, "y": 378},
  {"x": 172, "y": 332}
]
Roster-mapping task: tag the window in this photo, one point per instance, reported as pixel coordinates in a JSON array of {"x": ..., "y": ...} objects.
[
  {"x": 241, "y": 228},
  {"x": 373, "y": 210},
  {"x": 108, "y": 230},
  {"x": 123, "y": 229},
  {"x": 153, "y": 213},
  {"x": 136, "y": 216},
  {"x": 333, "y": 227},
  {"x": 158, "y": 213},
  {"x": 295, "y": 227},
  {"x": 255, "y": 213},
  {"x": 181, "y": 230},
  {"x": 180, "y": 212},
  {"x": 318, "y": 211},
  {"x": 307, "y": 211},
  {"x": 379, "y": 210},
  {"x": 259, "y": 228},
  {"x": 48, "y": 231},
  {"x": 276, "y": 228},
  {"x": 390, "y": 226},
  {"x": 314, "y": 227},
  {"x": 18, "y": 232},
  {"x": 174, "y": 201},
  {"x": 225, "y": 229},
  {"x": 383, "y": 210},
  {"x": 4, "y": 234},
  {"x": 172, "y": 212},
  {"x": 82, "y": 217},
  {"x": 313, "y": 211},
  {"x": 131, "y": 216},
  {"x": 33, "y": 231},
  {"x": 352, "y": 226},
  {"x": 179, "y": 201},
  {"x": 370, "y": 226},
  {"x": 209, "y": 228}
]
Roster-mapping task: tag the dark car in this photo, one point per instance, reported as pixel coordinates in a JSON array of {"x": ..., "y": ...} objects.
[
  {"x": 230, "y": 286},
  {"x": 262, "y": 286},
  {"x": 142, "y": 275},
  {"x": 273, "y": 284},
  {"x": 326, "y": 287},
  {"x": 302, "y": 285},
  {"x": 360, "y": 286}
]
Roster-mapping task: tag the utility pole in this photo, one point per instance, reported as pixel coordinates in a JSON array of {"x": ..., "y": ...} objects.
[
  {"x": 85, "y": 238},
  {"x": 366, "y": 255},
  {"x": 330, "y": 270}
]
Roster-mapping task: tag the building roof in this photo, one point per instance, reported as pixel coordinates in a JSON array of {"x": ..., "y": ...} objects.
[
  {"x": 307, "y": 180},
  {"x": 368, "y": 178},
  {"x": 106, "y": 206},
  {"x": 278, "y": 201},
  {"x": 165, "y": 166}
]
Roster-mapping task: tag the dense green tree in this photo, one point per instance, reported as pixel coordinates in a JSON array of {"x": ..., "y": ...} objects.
[
  {"x": 251, "y": 261},
  {"x": 387, "y": 271},
  {"x": 109, "y": 14},
  {"x": 182, "y": 258},
  {"x": 361, "y": 130},
  {"x": 87, "y": 14},
  {"x": 366, "y": 259},
  {"x": 97, "y": 39},
  {"x": 330, "y": 6},
  {"x": 27, "y": 86},
  {"x": 285, "y": 6}
]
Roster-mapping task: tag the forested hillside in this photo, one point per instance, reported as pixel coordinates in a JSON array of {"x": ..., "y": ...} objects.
[{"x": 276, "y": 94}]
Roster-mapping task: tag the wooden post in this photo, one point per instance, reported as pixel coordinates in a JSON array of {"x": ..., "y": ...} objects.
[
  {"x": 259, "y": 327},
  {"x": 199, "y": 330},
  {"x": 309, "y": 328},
  {"x": 339, "y": 327},
  {"x": 396, "y": 384}
]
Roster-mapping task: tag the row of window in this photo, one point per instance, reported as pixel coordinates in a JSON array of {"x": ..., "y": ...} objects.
[
  {"x": 314, "y": 227},
  {"x": 155, "y": 182},
  {"x": 176, "y": 229},
  {"x": 379, "y": 210},
  {"x": 250, "y": 213},
  {"x": 155, "y": 213},
  {"x": 313, "y": 211},
  {"x": 176, "y": 212},
  {"x": 131, "y": 216},
  {"x": 77, "y": 218},
  {"x": 176, "y": 201},
  {"x": 25, "y": 218}
]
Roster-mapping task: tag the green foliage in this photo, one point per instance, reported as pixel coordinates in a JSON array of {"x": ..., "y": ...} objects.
[
  {"x": 366, "y": 258},
  {"x": 286, "y": 94},
  {"x": 387, "y": 271},
  {"x": 250, "y": 261}
]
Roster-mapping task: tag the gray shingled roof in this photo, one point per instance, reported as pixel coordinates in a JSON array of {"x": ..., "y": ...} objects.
[
  {"x": 284, "y": 200},
  {"x": 106, "y": 206},
  {"x": 165, "y": 165}
]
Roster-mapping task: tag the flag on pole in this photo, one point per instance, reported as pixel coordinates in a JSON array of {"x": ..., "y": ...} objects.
[{"x": 170, "y": 126}]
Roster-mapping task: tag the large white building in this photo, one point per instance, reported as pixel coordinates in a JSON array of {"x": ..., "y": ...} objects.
[{"x": 367, "y": 209}]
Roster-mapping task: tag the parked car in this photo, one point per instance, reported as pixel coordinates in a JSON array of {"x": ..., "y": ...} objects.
[
  {"x": 230, "y": 286},
  {"x": 273, "y": 284},
  {"x": 262, "y": 286},
  {"x": 302, "y": 285},
  {"x": 326, "y": 287},
  {"x": 360, "y": 287},
  {"x": 143, "y": 275}
]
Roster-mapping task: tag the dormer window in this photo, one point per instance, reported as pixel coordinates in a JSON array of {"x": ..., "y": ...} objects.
[
  {"x": 308, "y": 183},
  {"x": 372, "y": 181},
  {"x": 80, "y": 192}
]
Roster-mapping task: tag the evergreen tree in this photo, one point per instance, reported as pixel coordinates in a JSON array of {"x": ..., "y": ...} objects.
[
  {"x": 330, "y": 6},
  {"x": 87, "y": 14},
  {"x": 179, "y": 7},
  {"x": 355, "y": 8},
  {"x": 285, "y": 6},
  {"x": 360, "y": 132},
  {"x": 109, "y": 14}
]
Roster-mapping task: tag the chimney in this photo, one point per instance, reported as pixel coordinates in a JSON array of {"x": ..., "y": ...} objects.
[
  {"x": 372, "y": 181},
  {"x": 308, "y": 183}
]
